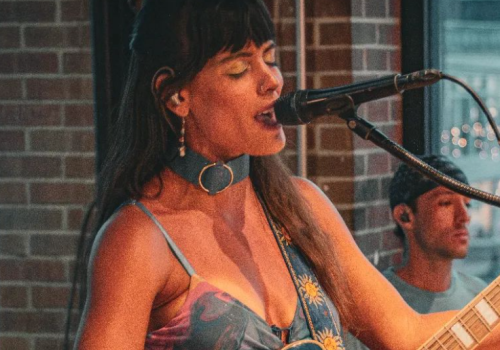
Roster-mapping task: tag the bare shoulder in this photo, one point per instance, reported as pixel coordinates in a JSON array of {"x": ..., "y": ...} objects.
[
  {"x": 130, "y": 241},
  {"x": 128, "y": 267}
]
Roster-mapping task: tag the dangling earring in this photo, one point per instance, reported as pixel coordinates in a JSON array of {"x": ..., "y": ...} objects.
[{"x": 182, "y": 141}]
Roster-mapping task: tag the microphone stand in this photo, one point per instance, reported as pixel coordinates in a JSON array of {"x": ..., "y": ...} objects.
[{"x": 369, "y": 132}]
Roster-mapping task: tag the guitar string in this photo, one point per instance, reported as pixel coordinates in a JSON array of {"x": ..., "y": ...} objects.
[{"x": 451, "y": 336}]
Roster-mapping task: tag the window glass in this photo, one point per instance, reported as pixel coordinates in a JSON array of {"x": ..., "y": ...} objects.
[{"x": 465, "y": 43}]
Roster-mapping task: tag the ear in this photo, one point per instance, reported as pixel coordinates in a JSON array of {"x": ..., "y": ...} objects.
[
  {"x": 176, "y": 101},
  {"x": 404, "y": 216}
]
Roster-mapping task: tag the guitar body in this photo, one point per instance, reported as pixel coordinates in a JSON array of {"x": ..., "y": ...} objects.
[{"x": 305, "y": 345}]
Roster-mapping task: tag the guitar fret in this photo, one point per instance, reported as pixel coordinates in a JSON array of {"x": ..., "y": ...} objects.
[
  {"x": 483, "y": 321},
  {"x": 457, "y": 341},
  {"x": 469, "y": 330},
  {"x": 475, "y": 324},
  {"x": 466, "y": 330}
]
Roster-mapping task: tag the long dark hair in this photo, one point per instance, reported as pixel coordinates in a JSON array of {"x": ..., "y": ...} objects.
[{"x": 184, "y": 35}]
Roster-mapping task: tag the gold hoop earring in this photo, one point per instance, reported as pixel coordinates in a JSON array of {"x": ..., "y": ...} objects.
[{"x": 182, "y": 141}]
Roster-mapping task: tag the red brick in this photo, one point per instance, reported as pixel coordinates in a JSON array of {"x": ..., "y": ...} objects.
[
  {"x": 32, "y": 321},
  {"x": 29, "y": 63},
  {"x": 58, "y": 36},
  {"x": 389, "y": 34},
  {"x": 379, "y": 216},
  {"x": 358, "y": 59},
  {"x": 328, "y": 60},
  {"x": 379, "y": 163},
  {"x": 357, "y": 8},
  {"x": 13, "y": 193},
  {"x": 337, "y": 139},
  {"x": 63, "y": 141},
  {"x": 364, "y": 33},
  {"x": 366, "y": 190},
  {"x": 286, "y": 8},
  {"x": 11, "y": 343},
  {"x": 395, "y": 8},
  {"x": 378, "y": 111},
  {"x": 335, "y": 34},
  {"x": 80, "y": 167},
  {"x": 360, "y": 219},
  {"x": 75, "y": 219},
  {"x": 330, "y": 165},
  {"x": 59, "y": 89},
  {"x": 53, "y": 245},
  {"x": 50, "y": 297},
  {"x": 289, "y": 85},
  {"x": 328, "y": 8},
  {"x": 77, "y": 62},
  {"x": 30, "y": 115},
  {"x": 79, "y": 36},
  {"x": 376, "y": 60},
  {"x": 30, "y": 167},
  {"x": 287, "y": 62},
  {"x": 13, "y": 245},
  {"x": 75, "y": 10},
  {"x": 368, "y": 243},
  {"x": 10, "y": 89},
  {"x": 339, "y": 192},
  {"x": 79, "y": 115},
  {"x": 8, "y": 63},
  {"x": 61, "y": 193},
  {"x": 391, "y": 241},
  {"x": 38, "y": 63},
  {"x": 11, "y": 141},
  {"x": 30, "y": 219},
  {"x": 375, "y": 9},
  {"x": 359, "y": 164},
  {"x": 10, "y": 37},
  {"x": 13, "y": 297},
  {"x": 327, "y": 81},
  {"x": 32, "y": 270},
  {"x": 27, "y": 11},
  {"x": 395, "y": 61},
  {"x": 55, "y": 343},
  {"x": 285, "y": 34}
]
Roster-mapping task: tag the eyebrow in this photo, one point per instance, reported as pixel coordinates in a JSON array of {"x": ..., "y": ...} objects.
[{"x": 239, "y": 54}]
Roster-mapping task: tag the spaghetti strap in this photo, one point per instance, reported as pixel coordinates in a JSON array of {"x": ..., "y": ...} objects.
[{"x": 175, "y": 250}]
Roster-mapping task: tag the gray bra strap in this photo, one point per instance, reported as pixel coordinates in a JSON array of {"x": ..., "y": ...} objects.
[{"x": 175, "y": 250}]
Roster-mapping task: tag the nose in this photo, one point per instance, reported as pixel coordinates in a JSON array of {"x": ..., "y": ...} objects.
[
  {"x": 271, "y": 80},
  {"x": 462, "y": 212}
]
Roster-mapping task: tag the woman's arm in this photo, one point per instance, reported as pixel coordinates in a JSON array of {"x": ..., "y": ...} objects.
[
  {"x": 126, "y": 270},
  {"x": 385, "y": 321}
]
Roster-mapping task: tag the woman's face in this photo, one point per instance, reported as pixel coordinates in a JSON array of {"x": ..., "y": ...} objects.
[{"x": 231, "y": 104}]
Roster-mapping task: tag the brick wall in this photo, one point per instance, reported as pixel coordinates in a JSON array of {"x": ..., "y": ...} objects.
[
  {"x": 347, "y": 41},
  {"x": 47, "y": 142},
  {"x": 46, "y": 163}
]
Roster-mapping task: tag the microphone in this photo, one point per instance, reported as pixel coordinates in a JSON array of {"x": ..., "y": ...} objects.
[{"x": 302, "y": 106}]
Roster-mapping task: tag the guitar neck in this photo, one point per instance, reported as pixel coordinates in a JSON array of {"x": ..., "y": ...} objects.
[{"x": 472, "y": 324}]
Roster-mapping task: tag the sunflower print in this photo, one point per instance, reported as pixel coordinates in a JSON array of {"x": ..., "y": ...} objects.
[
  {"x": 311, "y": 290},
  {"x": 330, "y": 341}
]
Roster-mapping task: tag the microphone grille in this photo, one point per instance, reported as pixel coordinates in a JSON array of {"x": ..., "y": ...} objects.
[{"x": 286, "y": 110}]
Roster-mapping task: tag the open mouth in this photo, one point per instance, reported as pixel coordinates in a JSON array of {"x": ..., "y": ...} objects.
[{"x": 267, "y": 117}]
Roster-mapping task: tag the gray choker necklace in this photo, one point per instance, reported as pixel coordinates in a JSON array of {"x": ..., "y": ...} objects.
[{"x": 212, "y": 177}]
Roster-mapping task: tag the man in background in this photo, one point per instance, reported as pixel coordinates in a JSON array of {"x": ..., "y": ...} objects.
[{"x": 432, "y": 222}]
